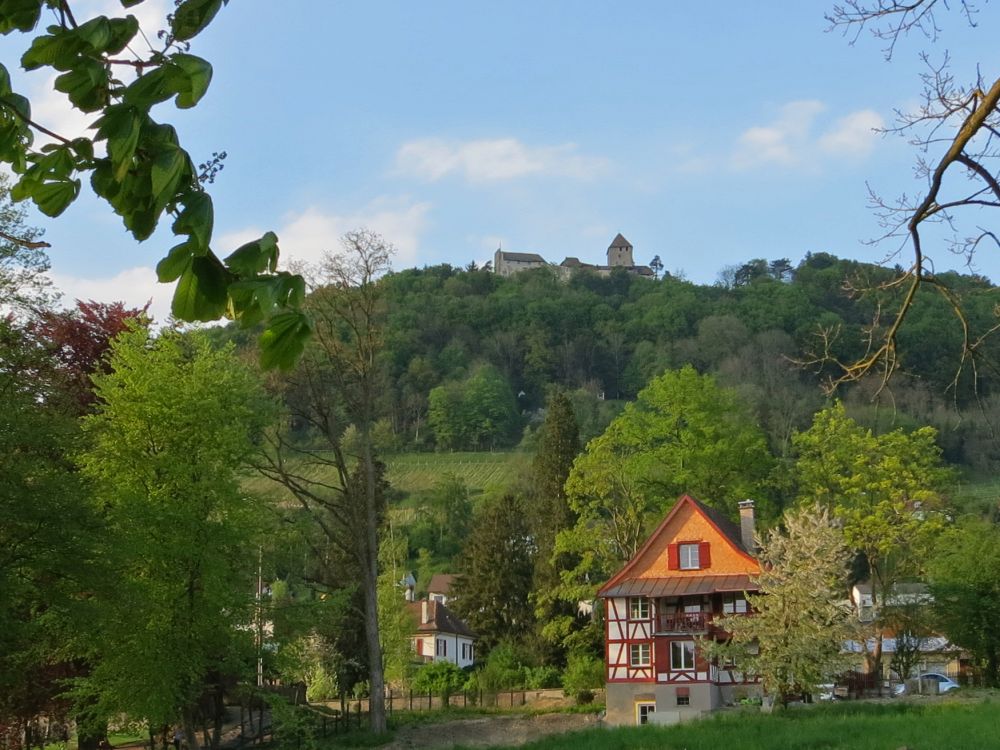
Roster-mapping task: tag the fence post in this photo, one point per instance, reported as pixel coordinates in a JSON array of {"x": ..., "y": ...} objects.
[
  {"x": 411, "y": 699},
  {"x": 430, "y": 700}
]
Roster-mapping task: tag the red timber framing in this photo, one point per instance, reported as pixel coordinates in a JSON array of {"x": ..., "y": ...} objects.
[
  {"x": 692, "y": 569},
  {"x": 625, "y": 663}
]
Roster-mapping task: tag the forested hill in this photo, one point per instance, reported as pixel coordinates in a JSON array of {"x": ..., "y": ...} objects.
[{"x": 470, "y": 354}]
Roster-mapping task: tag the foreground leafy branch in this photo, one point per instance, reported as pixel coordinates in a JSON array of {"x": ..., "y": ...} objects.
[{"x": 137, "y": 165}]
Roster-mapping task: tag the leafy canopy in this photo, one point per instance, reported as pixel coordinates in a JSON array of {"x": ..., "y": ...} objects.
[{"x": 136, "y": 164}]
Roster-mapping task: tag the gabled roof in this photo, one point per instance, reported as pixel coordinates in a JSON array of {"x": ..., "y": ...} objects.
[
  {"x": 522, "y": 257},
  {"x": 619, "y": 241},
  {"x": 625, "y": 580},
  {"x": 440, "y": 619},
  {"x": 441, "y": 583}
]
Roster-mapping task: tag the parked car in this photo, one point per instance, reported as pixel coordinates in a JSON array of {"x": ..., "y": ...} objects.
[{"x": 944, "y": 682}]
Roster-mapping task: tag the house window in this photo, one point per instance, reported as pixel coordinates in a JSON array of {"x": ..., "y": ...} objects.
[
  {"x": 683, "y": 696},
  {"x": 689, "y": 557},
  {"x": 682, "y": 655},
  {"x": 734, "y": 604},
  {"x": 642, "y": 712},
  {"x": 440, "y": 647},
  {"x": 639, "y": 654},
  {"x": 638, "y": 608}
]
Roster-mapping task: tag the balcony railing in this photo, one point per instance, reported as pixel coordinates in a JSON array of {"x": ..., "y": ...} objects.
[{"x": 683, "y": 622}]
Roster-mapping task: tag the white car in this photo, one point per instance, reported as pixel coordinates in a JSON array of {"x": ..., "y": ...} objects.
[{"x": 944, "y": 682}]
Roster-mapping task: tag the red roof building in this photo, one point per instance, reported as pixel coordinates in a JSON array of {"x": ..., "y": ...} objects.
[{"x": 696, "y": 566}]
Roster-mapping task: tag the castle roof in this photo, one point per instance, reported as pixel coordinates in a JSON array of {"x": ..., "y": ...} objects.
[
  {"x": 522, "y": 257},
  {"x": 619, "y": 241}
]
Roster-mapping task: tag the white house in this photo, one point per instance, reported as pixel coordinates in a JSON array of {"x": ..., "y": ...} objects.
[{"x": 440, "y": 635}]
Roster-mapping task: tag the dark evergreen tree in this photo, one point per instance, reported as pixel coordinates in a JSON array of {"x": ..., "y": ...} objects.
[
  {"x": 558, "y": 445},
  {"x": 495, "y": 571}
]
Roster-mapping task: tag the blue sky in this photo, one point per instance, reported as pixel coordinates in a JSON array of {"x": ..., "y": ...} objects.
[{"x": 707, "y": 134}]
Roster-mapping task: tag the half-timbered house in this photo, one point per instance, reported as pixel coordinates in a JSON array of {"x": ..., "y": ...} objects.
[{"x": 696, "y": 566}]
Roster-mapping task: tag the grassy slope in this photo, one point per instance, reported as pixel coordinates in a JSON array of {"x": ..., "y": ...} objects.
[
  {"x": 916, "y": 726},
  {"x": 418, "y": 472}
]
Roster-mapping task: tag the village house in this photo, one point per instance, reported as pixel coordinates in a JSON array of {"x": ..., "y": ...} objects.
[
  {"x": 696, "y": 566},
  {"x": 619, "y": 255},
  {"x": 440, "y": 635},
  {"x": 439, "y": 589}
]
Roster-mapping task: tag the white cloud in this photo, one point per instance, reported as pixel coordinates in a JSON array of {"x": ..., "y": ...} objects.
[
  {"x": 782, "y": 141},
  {"x": 306, "y": 235},
  {"x": 133, "y": 286},
  {"x": 494, "y": 160},
  {"x": 789, "y": 140},
  {"x": 853, "y": 135}
]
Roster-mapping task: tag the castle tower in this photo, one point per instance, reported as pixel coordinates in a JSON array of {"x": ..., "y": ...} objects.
[{"x": 620, "y": 252}]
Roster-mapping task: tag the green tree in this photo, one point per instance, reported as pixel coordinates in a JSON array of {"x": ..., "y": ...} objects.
[
  {"x": 138, "y": 165},
  {"x": 884, "y": 489},
  {"x": 334, "y": 395},
  {"x": 964, "y": 574},
  {"x": 479, "y": 412},
  {"x": 683, "y": 434},
  {"x": 395, "y": 622},
  {"x": 558, "y": 446},
  {"x": 176, "y": 421},
  {"x": 794, "y": 638},
  {"x": 494, "y": 573},
  {"x": 48, "y": 531}
]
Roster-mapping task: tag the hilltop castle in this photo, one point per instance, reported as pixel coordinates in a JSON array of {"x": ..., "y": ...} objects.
[{"x": 619, "y": 256}]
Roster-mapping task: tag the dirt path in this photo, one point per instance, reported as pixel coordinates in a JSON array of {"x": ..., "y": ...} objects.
[{"x": 511, "y": 731}]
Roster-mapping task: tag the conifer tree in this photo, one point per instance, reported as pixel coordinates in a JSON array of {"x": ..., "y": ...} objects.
[
  {"x": 558, "y": 446},
  {"x": 495, "y": 571}
]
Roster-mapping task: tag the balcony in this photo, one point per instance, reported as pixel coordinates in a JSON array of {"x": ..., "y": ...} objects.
[{"x": 683, "y": 622}]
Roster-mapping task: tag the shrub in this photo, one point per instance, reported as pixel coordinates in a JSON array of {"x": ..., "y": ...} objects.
[
  {"x": 583, "y": 674},
  {"x": 438, "y": 678},
  {"x": 538, "y": 678}
]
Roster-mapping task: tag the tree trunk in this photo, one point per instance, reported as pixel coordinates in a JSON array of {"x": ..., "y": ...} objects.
[{"x": 376, "y": 696}]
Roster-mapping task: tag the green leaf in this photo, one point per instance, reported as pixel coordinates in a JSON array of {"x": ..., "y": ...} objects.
[
  {"x": 20, "y": 105},
  {"x": 196, "y": 220},
  {"x": 178, "y": 261},
  {"x": 166, "y": 174},
  {"x": 4, "y": 81},
  {"x": 84, "y": 148},
  {"x": 192, "y": 16},
  {"x": 149, "y": 89},
  {"x": 201, "y": 291},
  {"x": 52, "y": 198},
  {"x": 283, "y": 340},
  {"x": 131, "y": 3},
  {"x": 123, "y": 30},
  {"x": 86, "y": 85},
  {"x": 121, "y": 127},
  {"x": 190, "y": 79},
  {"x": 95, "y": 33},
  {"x": 259, "y": 256},
  {"x": 19, "y": 14}
]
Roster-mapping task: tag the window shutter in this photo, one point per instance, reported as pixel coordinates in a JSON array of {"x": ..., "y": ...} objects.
[
  {"x": 704, "y": 555},
  {"x": 673, "y": 557}
]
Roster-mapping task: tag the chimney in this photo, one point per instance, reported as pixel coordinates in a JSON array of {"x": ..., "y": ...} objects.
[
  {"x": 747, "y": 526},
  {"x": 424, "y": 619}
]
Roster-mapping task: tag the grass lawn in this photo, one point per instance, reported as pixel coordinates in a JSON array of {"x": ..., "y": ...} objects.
[{"x": 925, "y": 725}]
